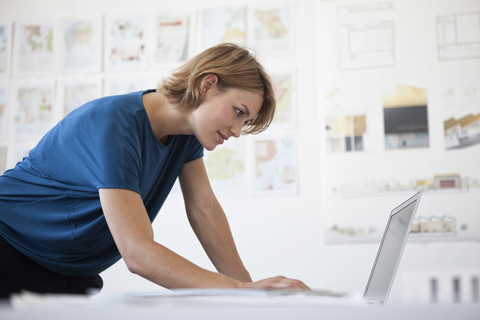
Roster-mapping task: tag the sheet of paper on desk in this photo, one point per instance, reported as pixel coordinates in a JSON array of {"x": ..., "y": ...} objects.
[{"x": 219, "y": 292}]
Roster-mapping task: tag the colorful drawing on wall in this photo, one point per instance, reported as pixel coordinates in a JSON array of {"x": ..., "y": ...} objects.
[
  {"x": 345, "y": 133},
  {"x": 3, "y": 159},
  {"x": 5, "y": 48},
  {"x": 171, "y": 38},
  {"x": 275, "y": 166},
  {"x": 226, "y": 168},
  {"x": 126, "y": 43},
  {"x": 81, "y": 45},
  {"x": 124, "y": 84},
  {"x": 223, "y": 24},
  {"x": 463, "y": 132},
  {"x": 405, "y": 118},
  {"x": 3, "y": 113},
  {"x": 272, "y": 31},
  {"x": 34, "y": 49},
  {"x": 76, "y": 94},
  {"x": 283, "y": 88},
  {"x": 34, "y": 116}
]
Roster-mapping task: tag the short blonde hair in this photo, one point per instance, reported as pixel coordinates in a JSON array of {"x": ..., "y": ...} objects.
[{"x": 235, "y": 67}]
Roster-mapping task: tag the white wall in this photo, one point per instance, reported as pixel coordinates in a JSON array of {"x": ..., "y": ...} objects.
[{"x": 281, "y": 235}]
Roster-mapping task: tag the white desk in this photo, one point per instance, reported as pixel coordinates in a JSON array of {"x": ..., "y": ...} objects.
[{"x": 224, "y": 308}]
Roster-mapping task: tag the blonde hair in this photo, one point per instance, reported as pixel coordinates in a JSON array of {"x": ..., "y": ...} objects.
[{"x": 235, "y": 67}]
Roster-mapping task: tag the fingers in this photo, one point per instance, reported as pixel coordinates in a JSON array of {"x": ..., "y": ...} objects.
[{"x": 280, "y": 282}]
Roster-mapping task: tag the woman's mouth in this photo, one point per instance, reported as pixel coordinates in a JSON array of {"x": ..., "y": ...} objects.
[{"x": 221, "y": 138}]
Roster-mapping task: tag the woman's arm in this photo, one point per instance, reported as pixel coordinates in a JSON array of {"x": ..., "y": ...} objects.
[
  {"x": 209, "y": 222},
  {"x": 132, "y": 231}
]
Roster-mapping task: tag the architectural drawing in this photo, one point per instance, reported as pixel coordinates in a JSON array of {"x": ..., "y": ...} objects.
[
  {"x": 366, "y": 45},
  {"x": 458, "y": 36}
]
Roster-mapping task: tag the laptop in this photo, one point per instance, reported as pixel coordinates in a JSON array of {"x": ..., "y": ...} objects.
[{"x": 378, "y": 285}]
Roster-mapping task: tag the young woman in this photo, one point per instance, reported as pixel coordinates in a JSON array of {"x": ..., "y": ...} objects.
[{"x": 87, "y": 193}]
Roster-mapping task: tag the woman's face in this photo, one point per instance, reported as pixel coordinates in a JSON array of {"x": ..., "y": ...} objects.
[{"x": 222, "y": 115}]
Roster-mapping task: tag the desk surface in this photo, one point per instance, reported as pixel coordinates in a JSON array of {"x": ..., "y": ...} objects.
[{"x": 231, "y": 308}]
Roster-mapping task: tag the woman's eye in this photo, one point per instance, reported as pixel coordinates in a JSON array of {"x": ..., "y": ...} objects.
[{"x": 239, "y": 112}]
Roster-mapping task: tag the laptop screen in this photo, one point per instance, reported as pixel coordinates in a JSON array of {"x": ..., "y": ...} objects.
[{"x": 390, "y": 251}]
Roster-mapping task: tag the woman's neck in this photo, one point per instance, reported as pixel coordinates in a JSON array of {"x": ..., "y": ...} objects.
[{"x": 165, "y": 118}]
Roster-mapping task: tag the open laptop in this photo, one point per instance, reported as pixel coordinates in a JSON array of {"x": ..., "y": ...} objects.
[
  {"x": 388, "y": 256},
  {"x": 381, "y": 277}
]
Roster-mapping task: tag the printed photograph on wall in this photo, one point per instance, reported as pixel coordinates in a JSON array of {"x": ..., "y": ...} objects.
[
  {"x": 345, "y": 133},
  {"x": 405, "y": 118},
  {"x": 463, "y": 132}
]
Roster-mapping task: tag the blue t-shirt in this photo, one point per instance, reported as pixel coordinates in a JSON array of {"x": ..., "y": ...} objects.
[{"x": 49, "y": 203}]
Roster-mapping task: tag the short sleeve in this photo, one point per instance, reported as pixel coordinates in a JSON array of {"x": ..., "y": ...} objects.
[{"x": 196, "y": 150}]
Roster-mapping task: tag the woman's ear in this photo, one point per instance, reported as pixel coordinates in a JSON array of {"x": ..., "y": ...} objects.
[{"x": 209, "y": 82}]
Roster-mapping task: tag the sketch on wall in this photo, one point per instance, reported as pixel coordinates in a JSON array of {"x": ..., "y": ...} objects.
[
  {"x": 367, "y": 45},
  {"x": 417, "y": 137},
  {"x": 406, "y": 118},
  {"x": 80, "y": 45},
  {"x": 458, "y": 36}
]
